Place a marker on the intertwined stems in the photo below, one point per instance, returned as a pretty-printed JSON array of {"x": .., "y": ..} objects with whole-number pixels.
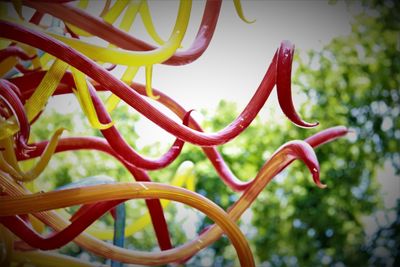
[{"x": 24, "y": 98}]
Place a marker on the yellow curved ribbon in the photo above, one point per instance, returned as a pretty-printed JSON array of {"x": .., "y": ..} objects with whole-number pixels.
[
  {"x": 37, "y": 225},
  {"x": 45, "y": 60},
  {"x": 45, "y": 90},
  {"x": 85, "y": 100},
  {"x": 132, "y": 8},
  {"x": 148, "y": 23},
  {"x": 239, "y": 11},
  {"x": 83, "y": 4},
  {"x": 35, "y": 104},
  {"x": 7, "y": 167},
  {"x": 121, "y": 57},
  {"x": 18, "y": 8},
  {"x": 8, "y": 159},
  {"x": 106, "y": 8},
  {"x": 110, "y": 16},
  {"x": 130, "y": 15},
  {"x": 7, "y": 64},
  {"x": 9, "y": 154},
  {"x": 149, "y": 78},
  {"x": 115, "y": 11}
]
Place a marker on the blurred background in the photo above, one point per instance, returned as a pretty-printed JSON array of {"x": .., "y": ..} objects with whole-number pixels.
[{"x": 346, "y": 72}]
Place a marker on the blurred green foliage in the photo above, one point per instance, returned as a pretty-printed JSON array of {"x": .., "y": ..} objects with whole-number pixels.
[{"x": 353, "y": 81}]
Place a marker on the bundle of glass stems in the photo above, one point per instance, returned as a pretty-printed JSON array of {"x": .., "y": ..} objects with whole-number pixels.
[{"x": 38, "y": 61}]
